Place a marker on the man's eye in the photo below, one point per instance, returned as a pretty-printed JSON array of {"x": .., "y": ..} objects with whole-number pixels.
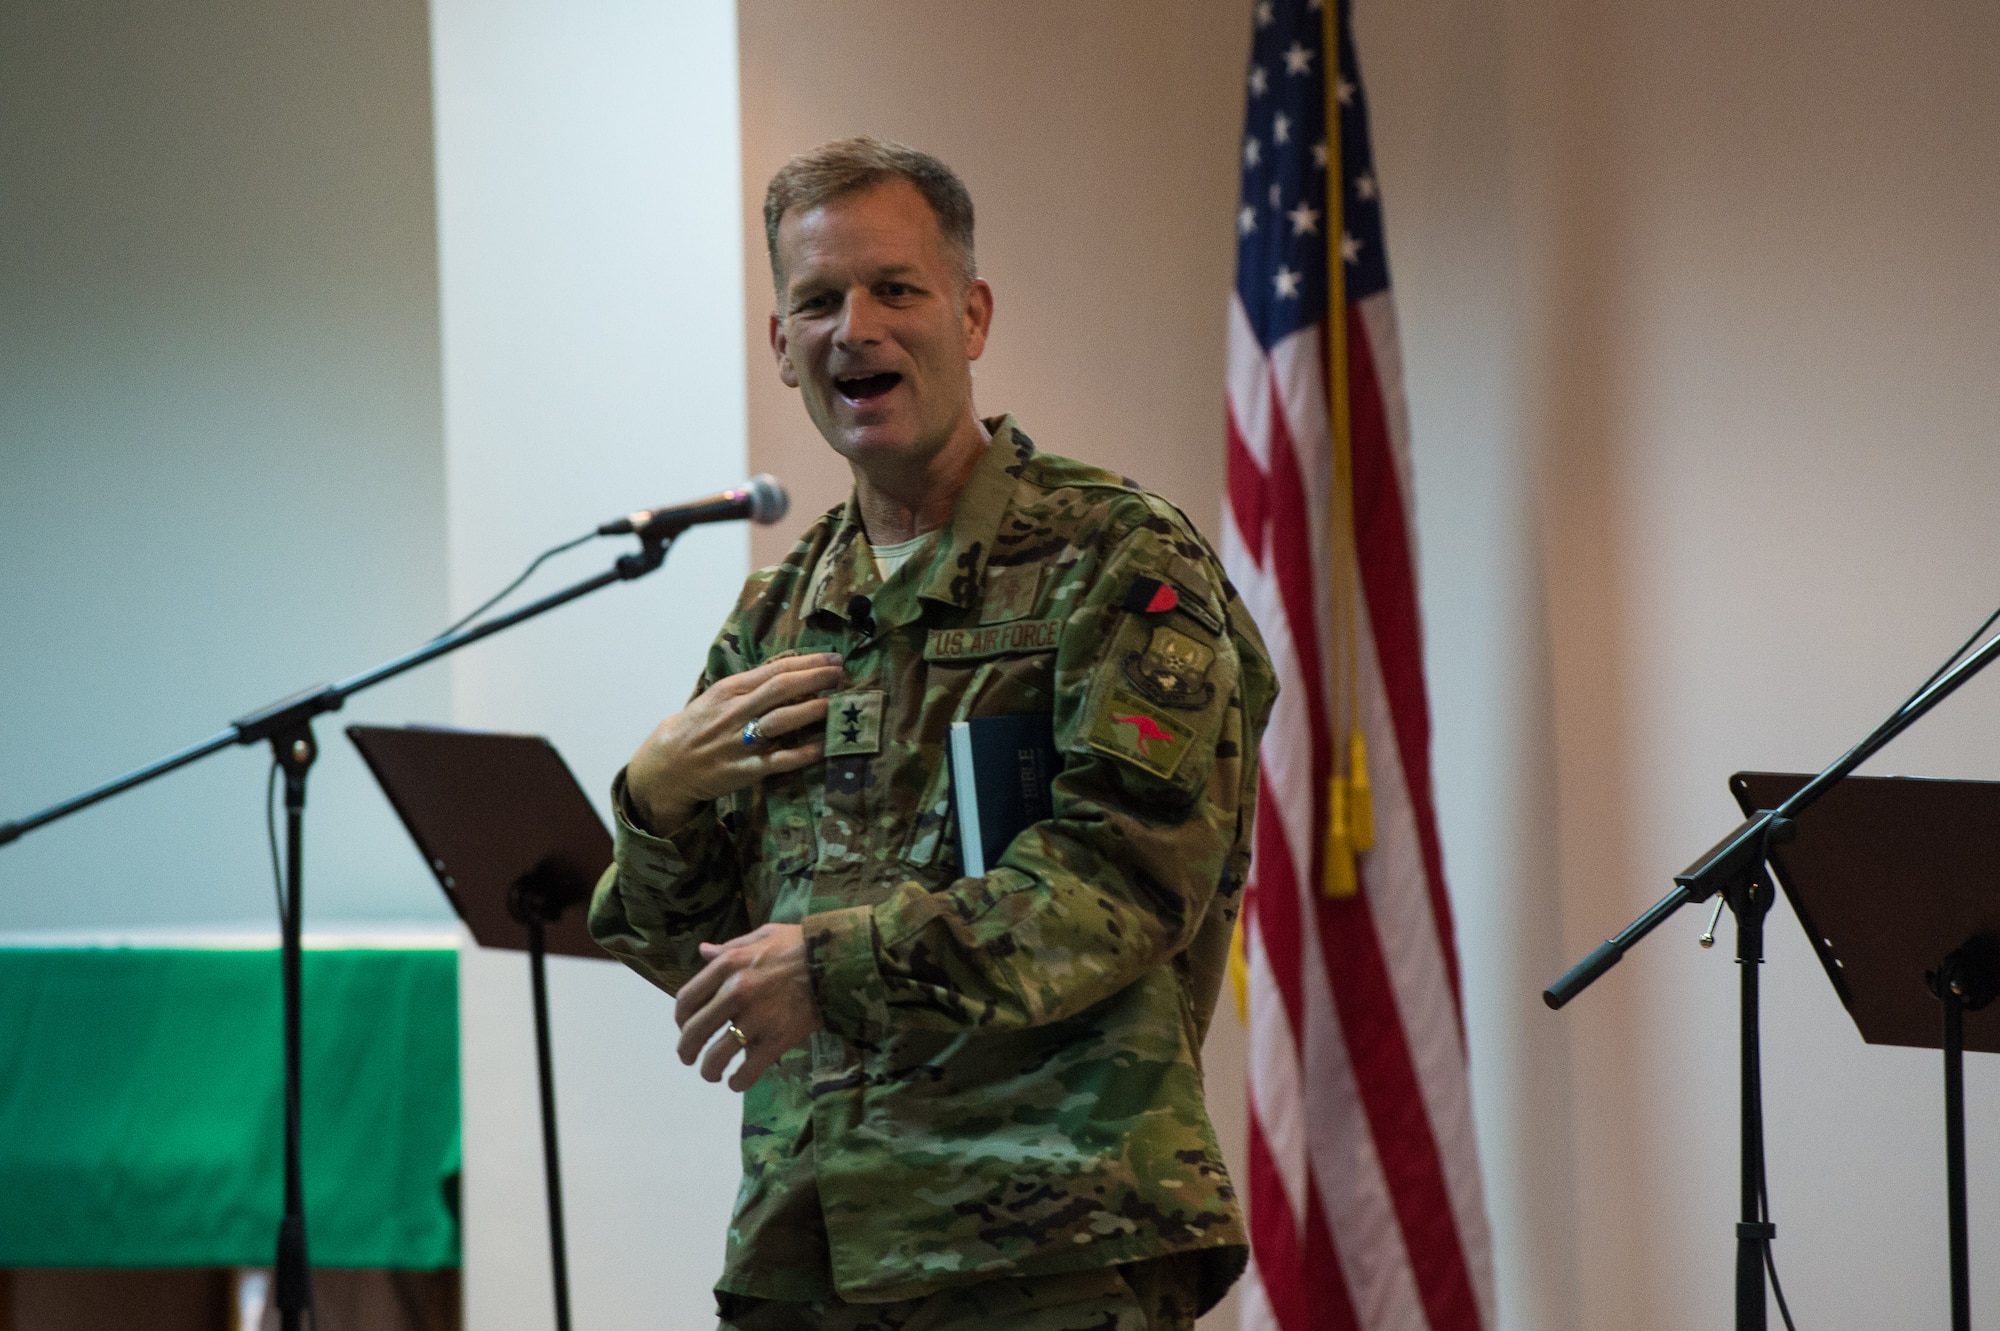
[
  {"x": 897, "y": 289},
  {"x": 813, "y": 303}
]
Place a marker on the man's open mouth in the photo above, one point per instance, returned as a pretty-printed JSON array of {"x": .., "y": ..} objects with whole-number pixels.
[{"x": 867, "y": 387}]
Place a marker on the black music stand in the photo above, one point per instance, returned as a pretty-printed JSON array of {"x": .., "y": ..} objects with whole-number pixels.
[
  {"x": 1897, "y": 881},
  {"x": 514, "y": 843}
]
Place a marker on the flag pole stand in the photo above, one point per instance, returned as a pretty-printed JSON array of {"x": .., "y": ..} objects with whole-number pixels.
[{"x": 1736, "y": 868}]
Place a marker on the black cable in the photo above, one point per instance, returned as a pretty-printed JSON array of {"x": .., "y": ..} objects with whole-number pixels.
[
  {"x": 1770, "y": 1259},
  {"x": 526, "y": 573},
  {"x": 271, "y": 835},
  {"x": 1950, "y": 661},
  {"x": 278, "y": 885}
]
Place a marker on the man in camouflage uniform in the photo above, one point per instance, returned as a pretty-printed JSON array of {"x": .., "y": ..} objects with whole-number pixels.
[{"x": 968, "y": 1102}]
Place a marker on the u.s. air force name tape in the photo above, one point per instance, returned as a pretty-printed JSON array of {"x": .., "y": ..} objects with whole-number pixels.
[{"x": 1035, "y": 635}]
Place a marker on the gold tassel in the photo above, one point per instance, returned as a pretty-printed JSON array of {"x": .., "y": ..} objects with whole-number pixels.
[
  {"x": 1361, "y": 795},
  {"x": 1239, "y": 972},
  {"x": 1340, "y": 880}
]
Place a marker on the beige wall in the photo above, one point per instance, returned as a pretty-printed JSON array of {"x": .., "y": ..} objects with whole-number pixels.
[{"x": 1097, "y": 141}]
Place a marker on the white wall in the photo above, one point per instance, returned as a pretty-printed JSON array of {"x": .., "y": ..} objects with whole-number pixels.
[
  {"x": 220, "y": 469},
  {"x": 590, "y": 276}
]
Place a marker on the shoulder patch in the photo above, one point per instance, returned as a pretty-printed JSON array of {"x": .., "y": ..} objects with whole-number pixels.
[
  {"x": 1136, "y": 731},
  {"x": 1150, "y": 596},
  {"x": 1172, "y": 671}
]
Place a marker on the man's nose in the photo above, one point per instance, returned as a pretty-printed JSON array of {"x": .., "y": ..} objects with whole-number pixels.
[{"x": 860, "y": 320}]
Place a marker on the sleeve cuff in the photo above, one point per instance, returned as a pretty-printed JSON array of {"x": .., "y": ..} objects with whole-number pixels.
[
  {"x": 840, "y": 959},
  {"x": 656, "y": 862}
]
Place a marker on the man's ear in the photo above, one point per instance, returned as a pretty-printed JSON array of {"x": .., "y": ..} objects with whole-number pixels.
[
  {"x": 978, "y": 316},
  {"x": 781, "y": 351}
]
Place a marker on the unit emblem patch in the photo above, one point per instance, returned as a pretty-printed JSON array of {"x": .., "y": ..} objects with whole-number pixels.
[{"x": 1172, "y": 671}]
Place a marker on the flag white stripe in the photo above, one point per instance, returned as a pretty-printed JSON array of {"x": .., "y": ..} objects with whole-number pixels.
[
  {"x": 1368, "y": 1236},
  {"x": 1398, "y": 888}
]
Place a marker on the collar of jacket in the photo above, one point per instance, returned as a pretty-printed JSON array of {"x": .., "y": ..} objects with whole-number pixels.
[{"x": 953, "y": 571}]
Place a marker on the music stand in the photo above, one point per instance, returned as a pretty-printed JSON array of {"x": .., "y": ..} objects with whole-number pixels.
[
  {"x": 1894, "y": 879},
  {"x": 514, "y": 843}
]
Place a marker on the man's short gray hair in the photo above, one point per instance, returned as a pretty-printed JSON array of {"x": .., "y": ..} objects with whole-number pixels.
[{"x": 847, "y": 165}]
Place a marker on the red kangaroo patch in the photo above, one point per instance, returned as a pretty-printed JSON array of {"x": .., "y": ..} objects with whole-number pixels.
[{"x": 1147, "y": 730}]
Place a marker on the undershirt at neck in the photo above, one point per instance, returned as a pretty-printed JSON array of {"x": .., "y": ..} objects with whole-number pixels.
[{"x": 889, "y": 558}]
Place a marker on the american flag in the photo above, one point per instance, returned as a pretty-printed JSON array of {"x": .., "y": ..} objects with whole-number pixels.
[{"x": 1365, "y": 1200}]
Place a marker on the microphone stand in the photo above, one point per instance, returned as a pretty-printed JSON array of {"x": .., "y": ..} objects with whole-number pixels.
[
  {"x": 1735, "y": 867},
  {"x": 286, "y": 725}
]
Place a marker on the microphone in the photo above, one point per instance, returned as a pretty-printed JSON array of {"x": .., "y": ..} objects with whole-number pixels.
[
  {"x": 861, "y": 616},
  {"x": 760, "y": 499}
]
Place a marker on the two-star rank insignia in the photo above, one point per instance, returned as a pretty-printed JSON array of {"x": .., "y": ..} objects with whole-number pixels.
[{"x": 854, "y": 723}]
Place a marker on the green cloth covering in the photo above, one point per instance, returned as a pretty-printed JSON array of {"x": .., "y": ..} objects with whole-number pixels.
[{"x": 142, "y": 1107}]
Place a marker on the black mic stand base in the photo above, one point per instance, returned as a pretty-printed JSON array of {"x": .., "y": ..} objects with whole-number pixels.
[
  {"x": 533, "y": 907},
  {"x": 1751, "y": 901},
  {"x": 1967, "y": 980}
]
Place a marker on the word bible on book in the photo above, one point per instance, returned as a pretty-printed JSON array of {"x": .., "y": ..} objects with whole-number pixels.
[{"x": 1002, "y": 768}]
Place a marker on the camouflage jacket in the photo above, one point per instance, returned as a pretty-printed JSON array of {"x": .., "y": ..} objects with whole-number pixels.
[{"x": 1009, "y": 1081}]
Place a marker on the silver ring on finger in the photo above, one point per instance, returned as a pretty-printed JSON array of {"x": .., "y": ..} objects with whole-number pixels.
[{"x": 753, "y": 732}]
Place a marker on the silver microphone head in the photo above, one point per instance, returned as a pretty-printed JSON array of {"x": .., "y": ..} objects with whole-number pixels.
[{"x": 768, "y": 500}]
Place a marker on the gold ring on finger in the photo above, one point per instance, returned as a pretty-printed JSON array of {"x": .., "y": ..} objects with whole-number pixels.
[{"x": 742, "y": 1040}]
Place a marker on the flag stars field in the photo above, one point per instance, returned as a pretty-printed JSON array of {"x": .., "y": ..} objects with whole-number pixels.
[
  {"x": 1305, "y": 219},
  {"x": 1298, "y": 59}
]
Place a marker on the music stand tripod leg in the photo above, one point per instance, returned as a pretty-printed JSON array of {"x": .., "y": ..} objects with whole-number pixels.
[
  {"x": 1750, "y": 900},
  {"x": 1954, "y": 1156},
  {"x": 1967, "y": 980},
  {"x": 531, "y": 907},
  {"x": 294, "y": 751}
]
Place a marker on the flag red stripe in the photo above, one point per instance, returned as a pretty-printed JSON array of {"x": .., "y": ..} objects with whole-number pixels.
[
  {"x": 1274, "y": 1237},
  {"x": 1385, "y": 1076},
  {"x": 1272, "y": 904},
  {"x": 1248, "y": 493},
  {"x": 1325, "y": 1283},
  {"x": 1390, "y": 589},
  {"x": 1292, "y": 563}
]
